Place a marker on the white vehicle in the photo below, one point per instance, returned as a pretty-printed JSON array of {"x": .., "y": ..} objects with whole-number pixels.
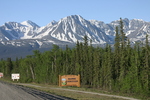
[{"x": 1, "y": 75}]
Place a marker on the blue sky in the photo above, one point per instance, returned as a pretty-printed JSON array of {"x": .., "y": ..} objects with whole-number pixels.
[{"x": 43, "y": 12}]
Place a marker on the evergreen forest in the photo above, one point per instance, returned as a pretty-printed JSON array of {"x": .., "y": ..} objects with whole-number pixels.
[{"x": 118, "y": 68}]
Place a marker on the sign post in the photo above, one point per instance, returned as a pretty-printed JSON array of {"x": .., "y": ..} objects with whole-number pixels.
[
  {"x": 15, "y": 76},
  {"x": 69, "y": 80}
]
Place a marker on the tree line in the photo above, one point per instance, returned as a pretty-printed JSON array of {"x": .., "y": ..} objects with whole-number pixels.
[{"x": 123, "y": 68}]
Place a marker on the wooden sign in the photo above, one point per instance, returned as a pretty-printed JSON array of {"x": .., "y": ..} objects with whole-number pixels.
[{"x": 69, "y": 80}]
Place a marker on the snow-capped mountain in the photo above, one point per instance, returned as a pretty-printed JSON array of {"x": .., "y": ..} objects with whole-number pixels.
[
  {"x": 70, "y": 29},
  {"x": 73, "y": 28},
  {"x": 22, "y": 38},
  {"x": 15, "y": 31}
]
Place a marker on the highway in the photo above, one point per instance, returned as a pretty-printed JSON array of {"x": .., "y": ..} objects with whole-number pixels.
[{"x": 17, "y": 92}]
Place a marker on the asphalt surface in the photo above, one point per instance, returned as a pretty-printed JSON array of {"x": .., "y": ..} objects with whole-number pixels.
[{"x": 17, "y": 92}]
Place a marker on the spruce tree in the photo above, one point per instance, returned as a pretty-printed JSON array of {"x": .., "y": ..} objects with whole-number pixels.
[
  {"x": 85, "y": 61},
  {"x": 9, "y": 67},
  {"x": 96, "y": 67},
  {"x": 116, "y": 68},
  {"x": 123, "y": 67},
  {"x": 146, "y": 68}
]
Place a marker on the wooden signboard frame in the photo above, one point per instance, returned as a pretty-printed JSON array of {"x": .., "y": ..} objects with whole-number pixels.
[{"x": 69, "y": 80}]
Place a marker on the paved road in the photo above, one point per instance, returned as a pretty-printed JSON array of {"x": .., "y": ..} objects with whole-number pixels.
[{"x": 16, "y": 92}]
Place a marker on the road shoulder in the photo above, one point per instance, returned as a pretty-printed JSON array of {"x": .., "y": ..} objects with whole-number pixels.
[{"x": 77, "y": 91}]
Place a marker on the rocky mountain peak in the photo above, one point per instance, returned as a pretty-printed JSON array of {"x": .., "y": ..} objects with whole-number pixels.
[
  {"x": 29, "y": 23},
  {"x": 73, "y": 28}
]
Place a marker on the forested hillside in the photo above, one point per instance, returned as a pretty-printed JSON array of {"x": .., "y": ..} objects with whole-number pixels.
[{"x": 122, "y": 69}]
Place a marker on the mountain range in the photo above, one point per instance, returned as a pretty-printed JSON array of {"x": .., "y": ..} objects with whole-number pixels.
[{"x": 29, "y": 36}]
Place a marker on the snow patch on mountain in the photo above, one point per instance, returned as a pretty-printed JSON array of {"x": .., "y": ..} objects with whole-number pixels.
[
  {"x": 30, "y": 24},
  {"x": 70, "y": 30}
]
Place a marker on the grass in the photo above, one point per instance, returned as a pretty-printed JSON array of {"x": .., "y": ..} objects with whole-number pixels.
[
  {"x": 75, "y": 95},
  {"x": 71, "y": 94}
]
